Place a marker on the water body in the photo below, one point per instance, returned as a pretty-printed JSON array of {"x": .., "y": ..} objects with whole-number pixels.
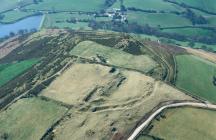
[{"x": 27, "y": 23}]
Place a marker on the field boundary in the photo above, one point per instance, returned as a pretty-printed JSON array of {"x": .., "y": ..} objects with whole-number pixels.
[{"x": 137, "y": 131}]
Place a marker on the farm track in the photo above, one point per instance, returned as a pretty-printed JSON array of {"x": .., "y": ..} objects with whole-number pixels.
[{"x": 137, "y": 131}]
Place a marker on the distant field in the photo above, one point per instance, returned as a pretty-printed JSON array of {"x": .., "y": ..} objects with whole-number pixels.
[
  {"x": 14, "y": 15},
  {"x": 208, "y": 5},
  {"x": 154, "y": 19},
  {"x": 11, "y": 4},
  {"x": 28, "y": 119},
  {"x": 185, "y": 124},
  {"x": 196, "y": 75},
  {"x": 89, "y": 49},
  {"x": 185, "y": 43},
  {"x": 211, "y": 20},
  {"x": 190, "y": 31},
  {"x": 69, "y": 5},
  {"x": 151, "y": 5},
  {"x": 59, "y": 20},
  {"x": 10, "y": 71}
]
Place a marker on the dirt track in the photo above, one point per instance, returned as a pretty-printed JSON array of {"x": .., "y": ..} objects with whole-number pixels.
[{"x": 146, "y": 122}]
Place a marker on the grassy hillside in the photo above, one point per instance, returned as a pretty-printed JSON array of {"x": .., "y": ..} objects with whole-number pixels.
[
  {"x": 112, "y": 56},
  {"x": 28, "y": 119},
  {"x": 10, "y": 71},
  {"x": 185, "y": 124},
  {"x": 196, "y": 76},
  {"x": 113, "y": 100}
]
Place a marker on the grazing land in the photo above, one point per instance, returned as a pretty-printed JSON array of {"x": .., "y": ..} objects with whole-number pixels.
[
  {"x": 207, "y": 5},
  {"x": 15, "y": 15},
  {"x": 112, "y": 56},
  {"x": 11, "y": 4},
  {"x": 28, "y": 119},
  {"x": 183, "y": 123},
  {"x": 60, "y": 20},
  {"x": 89, "y": 85},
  {"x": 10, "y": 71},
  {"x": 190, "y": 31},
  {"x": 80, "y": 79},
  {"x": 192, "y": 21},
  {"x": 97, "y": 69},
  {"x": 154, "y": 19},
  {"x": 158, "y": 5},
  {"x": 69, "y": 5},
  {"x": 196, "y": 76},
  {"x": 115, "y": 107}
]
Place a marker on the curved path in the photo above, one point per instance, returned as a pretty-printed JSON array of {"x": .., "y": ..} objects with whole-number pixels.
[{"x": 137, "y": 131}]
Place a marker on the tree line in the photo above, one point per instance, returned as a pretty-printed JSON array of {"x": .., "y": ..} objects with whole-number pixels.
[{"x": 146, "y": 29}]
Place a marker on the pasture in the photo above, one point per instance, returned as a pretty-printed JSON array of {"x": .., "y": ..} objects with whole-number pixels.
[
  {"x": 190, "y": 31},
  {"x": 112, "y": 56},
  {"x": 15, "y": 15},
  {"x": 82, "y": 79},
  {"x": 185, "y": 124},
  {"x": 158, "y": 5},
  {"x": 28, "y": 119},
  {"x": 12, "y": 4},
  {"x": 115, "y": 107},
  {"x": 68, "y": 5},
  {"x": 10, "y": 71},
  {"x": 208, "y": 5},
  {"x": 196, "y": 76},
  {"x": 60, "y": 20},
  {"x": 154, "y": 19}
]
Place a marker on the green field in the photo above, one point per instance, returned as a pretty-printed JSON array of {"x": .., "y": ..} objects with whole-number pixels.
[
  {"x": 211, "y": 20},
  {"x": 190, "y": 31},
  {"x": 89, "y": 49},
  {"x": 28, "y": 119},
  {"x": 59, "y": 20},
  {"x": 208, "y": 5},
  {"x": 196, "y": 76},
  {"x": 11, "y": 4},
  {"x": 68, "y": 5},
  {"x": 154, "y": 19},
  {"x": 185, "y": 124},
  {"x": 151, "y": 5},
  {"x": 15, "y": 15},
  {"x": 10, "y": 71}
]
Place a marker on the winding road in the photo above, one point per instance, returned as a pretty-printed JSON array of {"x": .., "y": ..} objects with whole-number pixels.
[{"x": 137, "y": 131}]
